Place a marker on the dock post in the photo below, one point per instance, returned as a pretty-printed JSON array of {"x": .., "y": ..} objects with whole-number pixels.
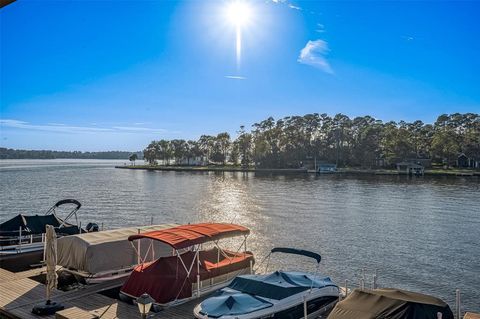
[
  {"x": 151, "y": 220},
  {"x": 375, "y": 276},
  {"x": 102, "y": 227},
  {"x": 458, "y": 304},
  {"x": 80, "y": 227},
  {"x": 251, "y": 267},
  {"x": 346, "y": 288},
  {"x": 44, "y": 247}
]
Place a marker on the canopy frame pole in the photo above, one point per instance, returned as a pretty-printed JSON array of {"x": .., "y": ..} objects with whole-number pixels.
[
  {"x": 20, "y": 239},
  {"x": 305, "y": 309},
  {"x": 183, "y": 264},
  {"x": 64, "y": 221},
  {"x": 314, "y": 275},
  {"x": 153, "y": 249},
  {"x": 198, "y": 273},
  {"x": 218, "y": 251},
  {"x": 187, "y": 270},
  {"x": 458, "y": 304},
  {"x": 268, "y": 262},
  {"x": 261, "y": 262},
  {"x": 139, "y": 257}
]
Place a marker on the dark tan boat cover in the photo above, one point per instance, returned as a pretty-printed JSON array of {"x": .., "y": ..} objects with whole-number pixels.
[
  {"x": 390, "y": 304},
  {"x": 108, "y": 250}
]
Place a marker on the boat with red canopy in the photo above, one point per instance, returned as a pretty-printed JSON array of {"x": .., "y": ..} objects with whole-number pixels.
[{"x": 198, "y": 264}]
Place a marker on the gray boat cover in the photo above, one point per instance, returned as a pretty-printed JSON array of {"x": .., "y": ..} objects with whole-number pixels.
[
  {"x": 390, "y": 303},
  {"x": 108, "y": 250}
]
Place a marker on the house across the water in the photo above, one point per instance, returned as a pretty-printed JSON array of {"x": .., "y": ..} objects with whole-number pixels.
[{"x": 463, "y": 161}]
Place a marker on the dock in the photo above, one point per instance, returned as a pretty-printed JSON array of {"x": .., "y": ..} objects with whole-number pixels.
[{"x": 19, "y": 293}]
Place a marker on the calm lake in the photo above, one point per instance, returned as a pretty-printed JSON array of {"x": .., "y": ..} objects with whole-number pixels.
[{"x": 422, "y": 234}]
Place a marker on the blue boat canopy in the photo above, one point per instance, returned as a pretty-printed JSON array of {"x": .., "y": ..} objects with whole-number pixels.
[
  {"x": 249, "y": 293},
  {"x": 295, "y": 251},
  {"x": 232, "y": 303},
  {"x": 278, "y": 285}
]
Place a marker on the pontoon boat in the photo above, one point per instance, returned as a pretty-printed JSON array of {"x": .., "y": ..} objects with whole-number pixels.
[
  {"x": 22, "y": 237},
  {"x": 107, "y": 255},
  {"x": 192, "y": 270}
]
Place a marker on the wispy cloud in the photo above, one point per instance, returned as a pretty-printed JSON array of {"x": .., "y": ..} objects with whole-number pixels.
[
  {"x": 408, "y": 38},
  {"x": 63, "y": 128},
  {"x": 314, "y": 53},
  {"x": 287, "y": 3},
  {"x": 235, "y": 77},
  {"x": 320, "y": 28}
]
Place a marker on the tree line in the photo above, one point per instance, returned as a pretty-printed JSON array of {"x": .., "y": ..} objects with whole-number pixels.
[
  {"x": 8, "y": 153},
  {"x": 348, "y": 142}
]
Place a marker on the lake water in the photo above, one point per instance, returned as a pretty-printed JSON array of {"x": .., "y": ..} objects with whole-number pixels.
[{"x": 422, "y": 234}]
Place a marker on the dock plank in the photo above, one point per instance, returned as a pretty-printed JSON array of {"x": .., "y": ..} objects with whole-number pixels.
[{"x": 20, "y": 294}]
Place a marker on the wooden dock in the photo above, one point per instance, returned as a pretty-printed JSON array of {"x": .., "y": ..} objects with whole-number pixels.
[{"x": 19, "y": 293}]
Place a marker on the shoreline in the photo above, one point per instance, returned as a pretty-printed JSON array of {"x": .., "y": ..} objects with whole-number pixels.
[{"x": 340, "y": 171}]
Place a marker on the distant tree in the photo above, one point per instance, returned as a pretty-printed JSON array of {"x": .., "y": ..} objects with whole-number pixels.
[
  {"x": 206, "y": 144},
  {"x": 133, "y": 158},
  {"x": 348, "y": 142},
  {"x": 223, "y": 142},
  {"x": 244, "y": 142}
]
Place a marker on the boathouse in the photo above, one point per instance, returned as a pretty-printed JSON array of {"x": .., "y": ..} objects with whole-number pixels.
[
  {"x": 326, "y": 168},
  {"x": 410, "y": 168}
]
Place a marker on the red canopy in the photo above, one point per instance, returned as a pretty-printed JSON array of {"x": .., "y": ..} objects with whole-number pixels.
[{"x": 188, "y": 235}]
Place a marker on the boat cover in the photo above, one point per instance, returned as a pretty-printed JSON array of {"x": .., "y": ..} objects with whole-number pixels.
[
  {"x": 228, "y": 302},
  {"x": 166, "y": 279},
  {"x": 279, "y": 285},
  {"x": 35, "y": 224},
  {"x": 106, "y": 250},
  {"x": 192, "y": 234},
  {"x": 390, "y": 304}
]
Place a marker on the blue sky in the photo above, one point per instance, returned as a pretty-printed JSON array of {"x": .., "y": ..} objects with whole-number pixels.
[{"x": 114, "y": 75}]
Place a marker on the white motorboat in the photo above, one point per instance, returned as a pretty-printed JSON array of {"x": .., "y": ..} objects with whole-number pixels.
[{"x": 281, "y": 294}]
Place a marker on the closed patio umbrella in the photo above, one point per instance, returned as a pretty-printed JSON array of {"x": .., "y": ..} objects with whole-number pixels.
[{"x": 49, "y": 307}]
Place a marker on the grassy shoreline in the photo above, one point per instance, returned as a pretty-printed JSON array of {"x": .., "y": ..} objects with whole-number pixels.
[{"x": 352, "y": 171}]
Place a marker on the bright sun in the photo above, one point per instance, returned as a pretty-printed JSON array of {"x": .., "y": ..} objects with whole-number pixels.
[{"x": 238, "y": 13}]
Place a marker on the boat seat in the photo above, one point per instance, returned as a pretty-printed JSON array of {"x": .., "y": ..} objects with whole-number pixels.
[{"x": 235, "y": 258}]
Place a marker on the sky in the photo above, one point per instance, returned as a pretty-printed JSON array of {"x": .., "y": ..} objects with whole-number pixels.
[{"x": 115, "y": 75}]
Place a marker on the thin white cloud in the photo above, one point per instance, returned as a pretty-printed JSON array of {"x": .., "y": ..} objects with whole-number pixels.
[
  {"x": 138, "y": 129},
  {"x": 320, "y": 28},
  {"x": 63, "y": 128},
  {"x": 289, "y": 4},
  {"x": 235, "y": 77},
  {"x": 314, "y": 53},
  {"x": 408, "y": 38}
]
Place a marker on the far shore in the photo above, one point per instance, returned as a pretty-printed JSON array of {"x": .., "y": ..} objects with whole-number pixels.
[{"x": 345, "y": 171}]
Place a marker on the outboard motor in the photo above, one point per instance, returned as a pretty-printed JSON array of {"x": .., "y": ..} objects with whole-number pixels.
[{"x": 92, "y": 227}]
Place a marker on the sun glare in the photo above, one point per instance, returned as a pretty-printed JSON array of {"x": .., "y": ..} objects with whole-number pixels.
[{"x": 238, "y": 13}]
